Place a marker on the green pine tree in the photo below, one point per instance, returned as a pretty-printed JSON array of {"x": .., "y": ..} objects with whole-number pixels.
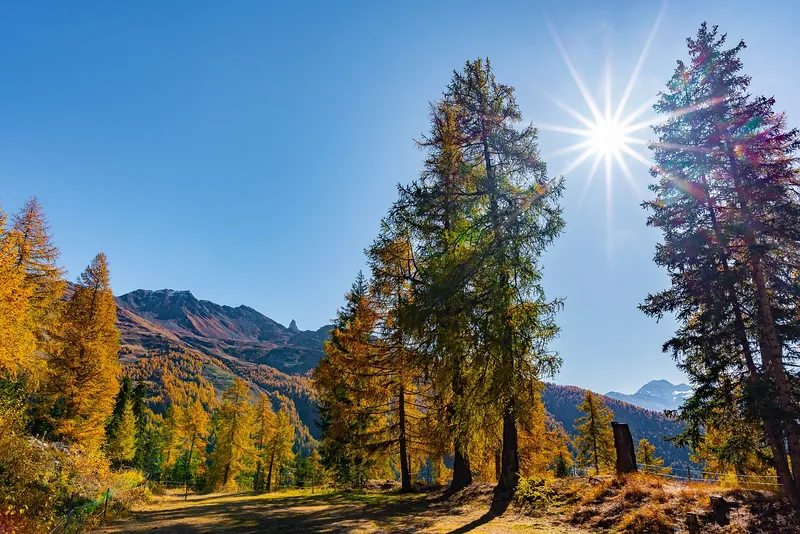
[{"x": 726, "y": 201}]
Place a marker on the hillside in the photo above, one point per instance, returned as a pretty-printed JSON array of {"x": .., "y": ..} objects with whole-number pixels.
[
  {"x": 562, "y": 402},
  {"x": 173, "y": 336},
  {"x": 183, "y": 347},
  {"x": 217, "y": 330}
]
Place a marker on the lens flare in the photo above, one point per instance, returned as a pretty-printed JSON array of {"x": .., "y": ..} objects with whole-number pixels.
[{"x": 606, "y": 134}]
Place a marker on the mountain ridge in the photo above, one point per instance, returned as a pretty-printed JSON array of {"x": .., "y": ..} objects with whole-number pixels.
[{"x": 223, "y": 331}]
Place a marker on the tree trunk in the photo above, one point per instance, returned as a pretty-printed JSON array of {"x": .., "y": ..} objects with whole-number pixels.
[
  {"x": 509, "y": 468},
  {"x": 405, "y": 472},
  {"x": 462, "y": 476},
  {"x": 188, "y": 469},
  {"x": 269, "y": 471},
  {"x": 257, "y": 477},
  {"x": 769, "y": 339},
  {"x": 226, "y": 475},
  {"x": 772, "y": 433},
  {"x": 462, "y": 473}
]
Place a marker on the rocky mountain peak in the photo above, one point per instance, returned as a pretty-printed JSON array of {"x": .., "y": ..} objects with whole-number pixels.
[{"x": 658, "y": 395}]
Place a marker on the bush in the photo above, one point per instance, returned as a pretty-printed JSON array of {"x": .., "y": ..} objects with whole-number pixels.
[
  {"x": 41, "y": 482},
  {"x": 647, "y": 518},
  {"x": 533, "y": 492}
]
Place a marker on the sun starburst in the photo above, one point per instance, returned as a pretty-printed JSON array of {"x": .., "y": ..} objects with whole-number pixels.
[{"x": 607, "y": 135}]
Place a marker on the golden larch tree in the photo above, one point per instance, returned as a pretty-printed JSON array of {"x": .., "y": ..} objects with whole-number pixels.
[
  {"x": 234, "y": 445},
  {"x": 595, "y": 440},
  {"x": 279, "y": 448},
  {"x": 82, "y": 365},
  {"x": 265, "y": 425},
  {"x": 17, "y": 342},
  {"x": 194, "y": 429},
  {"x": 171, "y": 435},
  {"x": 37, "y": 257}
]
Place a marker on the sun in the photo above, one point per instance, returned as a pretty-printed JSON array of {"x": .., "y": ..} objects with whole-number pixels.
[{"x": 607, "y": 135}]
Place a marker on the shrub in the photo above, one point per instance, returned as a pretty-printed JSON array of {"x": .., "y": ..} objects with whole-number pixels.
[
  {"x": 647, "y": 518},
  {"x": 533, "y": 491}
]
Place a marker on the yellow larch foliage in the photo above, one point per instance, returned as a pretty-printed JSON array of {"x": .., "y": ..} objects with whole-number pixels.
[
  {"x": 265, "y": 425},
  {"x": 234, "y": 446},
  {"x": 82, "y": 365},
  {"x": 122, "y": 446},
  {"x": 171, "y": 435},
  {"x": 36, "y": 256},
  {"x": 278, "y": 452},
  {"x": 541, "y": 440},
  {"x": 17, "y": 342},
  {"x": 194, "y": 431}
]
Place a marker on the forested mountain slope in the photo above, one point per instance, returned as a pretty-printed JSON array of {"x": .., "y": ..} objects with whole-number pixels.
[
  {"x": 562, "y": 402},
  {"x": 183, "y": 347},
  {"x": 181, "y": 344}
]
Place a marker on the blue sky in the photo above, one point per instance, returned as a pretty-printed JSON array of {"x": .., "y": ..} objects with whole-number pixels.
[{"x": 247, "y": 150}]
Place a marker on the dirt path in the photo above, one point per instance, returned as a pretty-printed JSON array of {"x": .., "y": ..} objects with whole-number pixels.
[{"x": 300, "y": 511}]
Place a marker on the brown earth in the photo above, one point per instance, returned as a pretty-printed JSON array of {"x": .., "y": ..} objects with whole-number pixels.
[{"x": 329, "y": 511}]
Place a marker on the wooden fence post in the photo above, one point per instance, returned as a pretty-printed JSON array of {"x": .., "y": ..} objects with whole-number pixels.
[
  {"x": 105, "y": 506},
  {"x": 623, "y": 443}
]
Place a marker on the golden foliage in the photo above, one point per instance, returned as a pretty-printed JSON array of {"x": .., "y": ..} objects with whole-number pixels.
[
  {"x": 595, "y": 440},
  {"x": 17, "y": 340},
  {"x": 234, "y": 445},
  {"x": 82, "y": 366},
  {"x": 36, "y": 257}
]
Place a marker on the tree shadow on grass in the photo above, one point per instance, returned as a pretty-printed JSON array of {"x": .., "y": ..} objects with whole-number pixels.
[
  {"x": 305, "y": 513},
  {"x": 499, "y": 506}
]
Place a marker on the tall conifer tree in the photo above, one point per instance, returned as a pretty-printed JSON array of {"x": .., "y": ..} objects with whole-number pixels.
[
  {"x": 194, "y": 429},
  {"x": 82, "y": 365},
  {"x": 234, "y": 444},
  {"x": 37, "y": 256},
  {"x": 342, "y": 388},
  {"x": 520, "y": 217},
  {"x": 728, "y": 205},
  {"x": 17, "y": 340},
  {"x": 595, "y": 440},
  {"x": 433, "y": 214},
  {"x": 265, "y": 425}
]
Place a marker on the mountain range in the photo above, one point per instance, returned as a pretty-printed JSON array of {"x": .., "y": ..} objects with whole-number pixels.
[
  {"x": 657, "y": 395},
  {"x": 184, "y": 347}
]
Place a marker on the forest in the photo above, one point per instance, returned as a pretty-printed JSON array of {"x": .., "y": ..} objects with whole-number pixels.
[{"x": 434, "y": 371}]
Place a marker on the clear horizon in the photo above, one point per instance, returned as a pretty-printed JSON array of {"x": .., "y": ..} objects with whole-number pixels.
[{"x": 247, "y": 152}]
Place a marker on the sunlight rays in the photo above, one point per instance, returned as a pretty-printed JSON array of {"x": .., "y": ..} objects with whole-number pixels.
[{"x": 607, "y": 134}]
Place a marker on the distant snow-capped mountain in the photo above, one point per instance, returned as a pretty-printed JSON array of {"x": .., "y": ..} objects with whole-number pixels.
[{"x": 658, "y": 395}]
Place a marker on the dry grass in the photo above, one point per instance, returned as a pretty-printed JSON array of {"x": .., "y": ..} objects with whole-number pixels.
[{"x": 648, "y": 503}]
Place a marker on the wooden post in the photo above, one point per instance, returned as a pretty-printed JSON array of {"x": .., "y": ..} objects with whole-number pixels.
[
  {"x": 105, "y": 506},
  {"x": 692, "y": 523},
  {"x": 720, "y": 507},
  {"x": 623, "y": 443}
]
